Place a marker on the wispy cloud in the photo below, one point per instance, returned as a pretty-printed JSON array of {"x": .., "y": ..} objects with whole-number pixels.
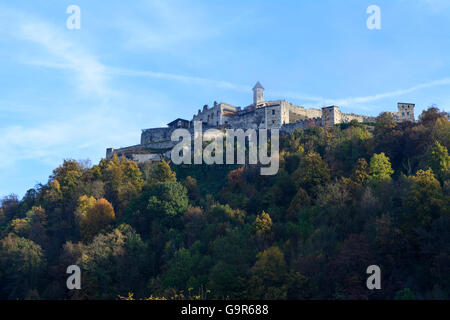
[
  {"x": 55, "y": 45},
  {"x": 347, "y": 101},
  {"x": 89, "y": 71},
  {"x": 396, "y": 93},
  {"x": 53, "y": 138},
  {"x": 200, "y": 81}
]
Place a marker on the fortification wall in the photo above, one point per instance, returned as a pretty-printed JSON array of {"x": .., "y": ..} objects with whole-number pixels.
[
  {"x": 298, "y": 113},
  {"x": 302, "y": 125},
  {"x": 214, "y": 116},
  {"x": 156, "y": 135},
  {"x": 252, "y": 119},
  {"x": 347, "y": 117}
]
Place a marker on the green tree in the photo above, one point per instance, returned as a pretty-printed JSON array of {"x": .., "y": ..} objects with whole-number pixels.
[
  {"x": 22, "y": 266},
  {"x": 179, "y": 270},
  {"x": 380, "y": 169},
  {"x": 114, "y": 264},
  {"x": 123, "y": 181},
  {"x": 168, "y": 198},
  {"x": 439, "y": 161},
  {"x": 263, "y": 228},
  {"x": 68, "y": 176},
  {"x": 159, "y": 172},
  {"x": 267, "y": 279},
  {"x": 313, "y": 171},
  {"x": 423, "y": 200},
  {"x": 299, "y": 201}
]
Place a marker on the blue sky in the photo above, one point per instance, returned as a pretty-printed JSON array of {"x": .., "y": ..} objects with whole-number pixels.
[{"x": 140, "y": 64}]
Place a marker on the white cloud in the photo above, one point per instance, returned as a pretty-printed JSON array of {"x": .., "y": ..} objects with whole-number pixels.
[
  {"x": 88, "y": 70},
  {"x": 54, "y": 44},
  {"x": 50, "y": 139}
]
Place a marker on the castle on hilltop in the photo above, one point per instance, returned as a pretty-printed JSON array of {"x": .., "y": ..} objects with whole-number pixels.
[{"x": 274, "y": 114}]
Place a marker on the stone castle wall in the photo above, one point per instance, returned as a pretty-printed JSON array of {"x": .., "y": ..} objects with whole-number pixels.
[
  {"x": 276, "y": 114},
  {"x": 302, "y": 125}
]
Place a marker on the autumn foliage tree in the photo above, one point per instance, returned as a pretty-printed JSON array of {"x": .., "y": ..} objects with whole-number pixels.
[{"x": 95, "y": 216}]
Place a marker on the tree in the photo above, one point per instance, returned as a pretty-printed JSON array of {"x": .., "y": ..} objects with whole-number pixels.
[
  {"x": 360, "y": 172},
  {"x": 22, "y": 264},
  {"x": 380, "y": 169},
  {"x": 168, "y": 198},
  {"x": 68, "y": 176},
  {"x": 179, "y": 269},
  {"x": 159, "y": 172},
  {"x": 352, "y": 259},
  {"x": 268, "y": 275},
  {"x": 37, "y": 217},
  {"x": 431, "y": 115},
  {"x": 10, "y": 207},
  {"x": 263, "y": 226},
  {"x": 95, "y": 217},
  {"x": 313, "y": 171},
  {"x": 123, "y": 181},
  {"x": 439, "y": 161},
  {"x": 299, "y": 201},
  {"x": 192, "y": 188},
  {"x": 19, "y": 227},
  {"x": 114, "y": 264},
  {"x": 423, "y": 200},
  {"x": 235, "y": 179}
]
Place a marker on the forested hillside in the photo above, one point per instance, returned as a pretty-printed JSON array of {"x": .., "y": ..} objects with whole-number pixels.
[{"x": 344, "y": 198}]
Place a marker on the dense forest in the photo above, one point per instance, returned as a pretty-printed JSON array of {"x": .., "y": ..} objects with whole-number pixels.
[{"x": 344, "y": 198}]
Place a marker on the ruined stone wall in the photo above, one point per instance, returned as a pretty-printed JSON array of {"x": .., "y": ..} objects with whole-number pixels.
[
  {"x": 141, "y": 158},
  {"x": 250, "y": 119},
  {"x": 155, "y": 135},
  {"x": 313, "y": 113},
  {"x": 302, "y": 125},
  {"x": 214, "y": 116},
  {"x": 332, "y": 116}
]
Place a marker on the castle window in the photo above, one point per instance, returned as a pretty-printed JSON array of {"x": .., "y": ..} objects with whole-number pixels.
[
  {"x": 403, "y": 113},
  {"x": 407, "y": 113},
  {"x": 273, "y": 121},
  {"x": 273, "y": 112}
]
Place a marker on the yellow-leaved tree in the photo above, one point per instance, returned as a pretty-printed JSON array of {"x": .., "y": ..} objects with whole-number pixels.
[{"x": 93, "y": 216}]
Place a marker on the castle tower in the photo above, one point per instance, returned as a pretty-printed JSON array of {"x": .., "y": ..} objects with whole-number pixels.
[
  {"x": 258, "y": 94},
  {"x": 330, "y": 116},
  {"x": 406, "y": 112}
]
